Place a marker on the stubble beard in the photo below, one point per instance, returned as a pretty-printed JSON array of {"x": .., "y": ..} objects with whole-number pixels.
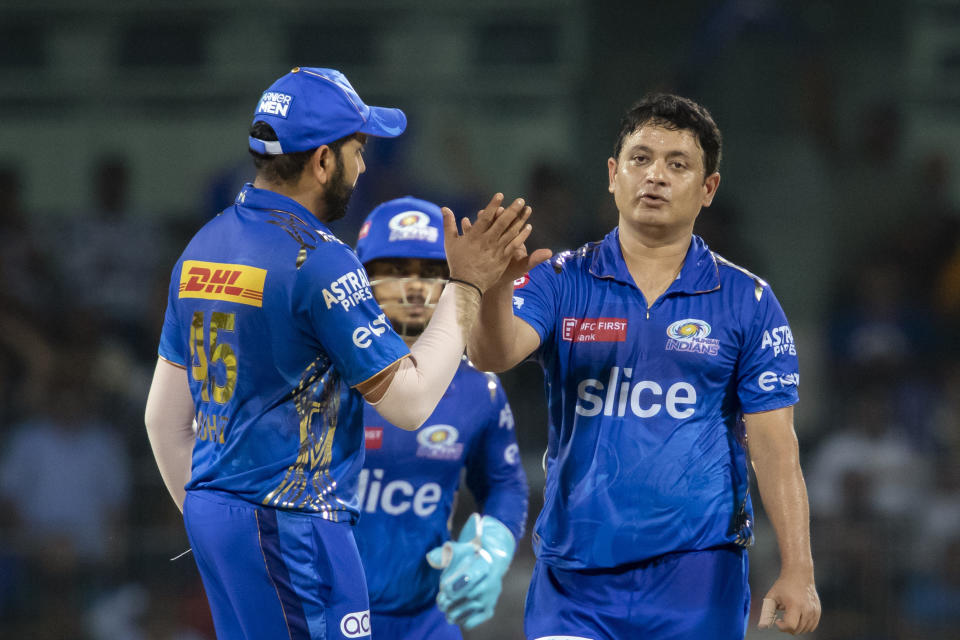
[{"x": 337, "y": 197}]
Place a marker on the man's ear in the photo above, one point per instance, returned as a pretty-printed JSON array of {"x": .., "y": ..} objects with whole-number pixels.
[
  {"x": 710, "y": 186},
  {"x": 322, "y": 164}
]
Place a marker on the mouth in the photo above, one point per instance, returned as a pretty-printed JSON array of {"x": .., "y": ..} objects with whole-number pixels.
[{"x": 653, "y": 199}]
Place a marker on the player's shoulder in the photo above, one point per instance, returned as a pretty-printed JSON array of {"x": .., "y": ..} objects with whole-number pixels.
[
  {"x": 570, "y": 262},
  {"x": 733, "y": 275},
  {"x": 325, "y": 252}
]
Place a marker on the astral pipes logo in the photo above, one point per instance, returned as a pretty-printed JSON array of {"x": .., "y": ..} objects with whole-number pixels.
[{"x": 356, "y": 624}]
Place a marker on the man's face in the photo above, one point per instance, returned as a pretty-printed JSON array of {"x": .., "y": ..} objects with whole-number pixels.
[
  {"x": 343, "y": 179},
  {"x": 407, "y": 290},
  {"x": 658, "y": 180}
]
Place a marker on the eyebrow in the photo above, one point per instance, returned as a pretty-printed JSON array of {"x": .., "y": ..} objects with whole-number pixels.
[{"x": 670, "y": 154}]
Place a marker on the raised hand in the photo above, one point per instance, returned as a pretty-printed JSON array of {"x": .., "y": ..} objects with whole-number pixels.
[{"x": 485, "y": 249}]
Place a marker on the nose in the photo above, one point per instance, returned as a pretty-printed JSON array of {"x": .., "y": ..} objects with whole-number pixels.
[
  {"x": 657, "y": 172},
  {"x": 361, "y": 166},
  {"x": 415, "y": 289}
]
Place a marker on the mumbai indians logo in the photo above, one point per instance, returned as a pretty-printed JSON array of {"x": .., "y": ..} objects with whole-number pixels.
[
  {"x": 439, "y": 442},
  {"x": 690, "y": 335},
  {"x": 412, "y": 225}
]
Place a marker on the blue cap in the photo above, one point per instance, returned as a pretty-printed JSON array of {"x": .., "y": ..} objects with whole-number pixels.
[
  {"x": 310, "y": 107},
  {"x": 402, "y": 228}
]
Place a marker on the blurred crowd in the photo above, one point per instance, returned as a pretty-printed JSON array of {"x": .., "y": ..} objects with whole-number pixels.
[{"x": 87, "y": 531}]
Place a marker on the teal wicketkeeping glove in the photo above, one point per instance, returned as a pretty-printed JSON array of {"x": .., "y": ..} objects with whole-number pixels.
[{"x": 473, "y": 569}]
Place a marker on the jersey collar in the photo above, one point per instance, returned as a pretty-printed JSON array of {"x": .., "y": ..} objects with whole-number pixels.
[
  {"x": 699, "y": 273},
  {"x": 251, "y": 197}
]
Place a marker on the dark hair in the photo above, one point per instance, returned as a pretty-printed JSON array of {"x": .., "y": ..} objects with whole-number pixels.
[
  {"x": 284, "y": 167},
  {"x": 675, "y": 113}
]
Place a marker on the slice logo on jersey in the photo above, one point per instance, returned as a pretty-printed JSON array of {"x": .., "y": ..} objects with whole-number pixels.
[
  {"x": 412, "y": 225},
  {"x": 643, "y": 398},
  {"x": 349, "y": 290},
  {"x": 439, "y": 442},
  {"x": 770, "y": 380},
  {"x": 364, "y": 230},
  {"x": 396, "y": 497},
  {"x": 522, "y": 281},
  {"x": 356, "y": 624},
  {"x": 218, "y": 281},
  {"x": 594, "y": 329},
  {"x": 275, "y": 103},
  {"x": 373, "y": 437},
  {"x": 780, "y": 339},
  {"x": 690, "y": 335}
]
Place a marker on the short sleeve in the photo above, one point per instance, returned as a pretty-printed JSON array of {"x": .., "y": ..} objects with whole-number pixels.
[
  {"x": 171, "y": 337},
  {"x": 536, "y": 299},
  {"x": 333, "y": 296},
  {"x": 769, "y": 370}
]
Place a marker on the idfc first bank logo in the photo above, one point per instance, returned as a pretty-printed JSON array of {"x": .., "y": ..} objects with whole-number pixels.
[{"x": 594, "y": 329}]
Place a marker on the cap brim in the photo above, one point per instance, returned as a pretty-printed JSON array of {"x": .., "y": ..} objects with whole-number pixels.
[{"x": 384, "y": 122}]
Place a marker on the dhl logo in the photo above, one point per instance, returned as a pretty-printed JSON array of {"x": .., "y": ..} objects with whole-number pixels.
[{"x": 218, "y": 281}]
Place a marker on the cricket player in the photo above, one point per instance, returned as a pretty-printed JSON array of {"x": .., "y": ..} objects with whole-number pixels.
[
  {"x": 272, "y": 341},
  {"x": 409, "y": 479},
  {"x": 666, "y": 365}
]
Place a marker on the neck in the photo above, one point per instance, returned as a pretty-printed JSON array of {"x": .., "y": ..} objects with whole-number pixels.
[
  {"x": 653, "y": 262},
  {"x": 649, "y": 249},
  {"x": 298, "y": 192}
]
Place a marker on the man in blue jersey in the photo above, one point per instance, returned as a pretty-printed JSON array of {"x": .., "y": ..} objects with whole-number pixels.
[
  {"x": 272, "y": 341},
  {"x": 410, "y": 479},
  {"x": 663, "y": 361}
]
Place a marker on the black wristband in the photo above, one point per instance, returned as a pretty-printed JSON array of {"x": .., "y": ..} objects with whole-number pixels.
[{"x": 469, "y": 284}]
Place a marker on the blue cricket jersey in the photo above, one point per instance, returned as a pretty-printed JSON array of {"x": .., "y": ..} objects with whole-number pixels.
[
  {"x": 646, "y": 451},
  {"x": 409, "y": 480},
  {"x": 274, "y": 320}
]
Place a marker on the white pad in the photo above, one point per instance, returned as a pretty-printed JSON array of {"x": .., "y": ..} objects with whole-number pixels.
[{"x": 768, "y": 613}]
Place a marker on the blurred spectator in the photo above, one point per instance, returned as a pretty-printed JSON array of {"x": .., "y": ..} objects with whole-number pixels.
[
  {"x": 877, "y": 326},
  {"x": 65, "y": 479},
  {"x": 931, "y": 600},
  {"x": 870, "y": 456},
  {"x": 110, "y": 254},
  {"x": 938, "y": 524},
  {"x": 880, "y": 329},
  {"x": 27, "y": 284}
]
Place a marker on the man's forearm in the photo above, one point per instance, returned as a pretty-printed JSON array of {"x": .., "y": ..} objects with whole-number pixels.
[
  {"x": 784, "y": 496},
  {"x": 494, "y": 335}
]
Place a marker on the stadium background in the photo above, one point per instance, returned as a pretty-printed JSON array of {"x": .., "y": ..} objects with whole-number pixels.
[{"x": 124, "y": 129}]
